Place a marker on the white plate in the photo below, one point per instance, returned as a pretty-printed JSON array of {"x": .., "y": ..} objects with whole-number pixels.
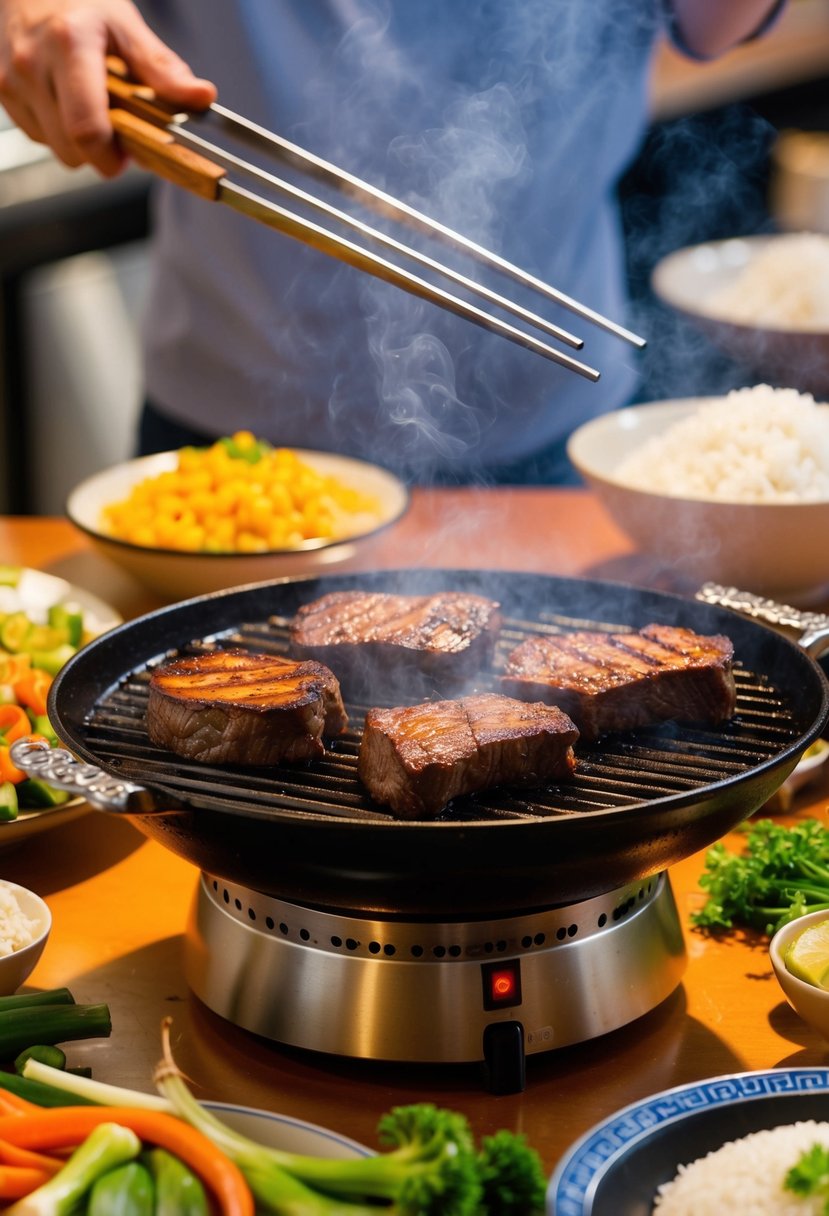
[
  {"x": 34, "y": 594},
  {"x": 290, "y": 1135},
  {"x": 182, "y": 575}
]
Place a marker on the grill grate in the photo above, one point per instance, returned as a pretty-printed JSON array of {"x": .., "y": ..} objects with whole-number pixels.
[{"x": 618, "y": 771}]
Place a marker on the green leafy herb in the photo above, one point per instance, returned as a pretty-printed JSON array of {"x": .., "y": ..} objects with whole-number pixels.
[
  {"x": 782, "y": 874},
  {"x": 810, "y": 1176}
]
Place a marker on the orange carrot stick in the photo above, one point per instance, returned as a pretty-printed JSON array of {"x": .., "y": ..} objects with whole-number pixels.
[
  {"x": 13, "y": 1154},
  {"x": 17, "y": 1181},
  {"x": 56, "y": 1127},
  {"x": 13, "y": 1104}
]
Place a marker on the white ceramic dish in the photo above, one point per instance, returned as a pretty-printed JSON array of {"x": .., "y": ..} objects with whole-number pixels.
[
  {"x": 616, "y": 1167},
  {"x": 810, "y": 1002},
  {"x": 15, "y": 968},
  {"x": 290, "y": 1135},
  {"x": 768, "y": 548},
  {"x": 35, "y": 592},
  {"x": 689, "y": 279},
  {"x": 175, "y": 575}
]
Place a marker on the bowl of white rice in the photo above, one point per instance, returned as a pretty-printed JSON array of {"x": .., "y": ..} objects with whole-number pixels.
[
  {"x": 720, "y": 1145},
  {"x": 732, "y": 489},
  {"x": 763, "y": 300},
  {"x": 25, "y": 924}
]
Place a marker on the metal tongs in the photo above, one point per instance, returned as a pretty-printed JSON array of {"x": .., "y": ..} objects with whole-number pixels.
[{"x": 169, "y": 143}]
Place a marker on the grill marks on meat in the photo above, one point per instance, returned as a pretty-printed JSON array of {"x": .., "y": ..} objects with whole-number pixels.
[
  {"x": 620, "y": 681},
  {"x": 417, "y": 758},
  {"x": 236, "y": 707},
  {"x": 406, "y": 644}
]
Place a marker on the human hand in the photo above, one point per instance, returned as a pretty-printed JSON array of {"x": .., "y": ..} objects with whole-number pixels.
[{"x": 53, "y": 73}]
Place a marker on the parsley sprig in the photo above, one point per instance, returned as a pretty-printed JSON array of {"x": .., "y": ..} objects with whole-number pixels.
[
  {"x": 810, "y": 1176},
  {"x": 782, "y": 873}
]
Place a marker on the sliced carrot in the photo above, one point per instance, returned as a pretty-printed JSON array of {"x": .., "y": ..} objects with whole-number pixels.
[
  {"x": 49, "y": 1128},
  {"x": 14, "y": 722},
  {"x": 31, "y": 687},
  {"x": 10, "y": 771},
  {"x": 17, "y": 1181}
]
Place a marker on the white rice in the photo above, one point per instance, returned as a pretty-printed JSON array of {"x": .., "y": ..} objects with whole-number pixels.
[
  {"x": 757, "y": 444},
  {"x": 745, "y": 1176},
  {"x": 16, "y": 929},
  {"x": 785, "y": 286}
]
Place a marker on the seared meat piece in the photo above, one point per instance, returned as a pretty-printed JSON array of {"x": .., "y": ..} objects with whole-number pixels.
[
  {"x": 234, "y": 707},
  {"x": 407, "y": 645},
  {"x": 417, "y": 758},
  {"x": 616, "y": 682}
]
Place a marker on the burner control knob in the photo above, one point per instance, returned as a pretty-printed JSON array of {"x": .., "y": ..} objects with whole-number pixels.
[{"x": 504, "y": 1059}]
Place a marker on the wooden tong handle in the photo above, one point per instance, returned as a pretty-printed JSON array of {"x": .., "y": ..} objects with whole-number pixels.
[{"x": 141, "y": 119}]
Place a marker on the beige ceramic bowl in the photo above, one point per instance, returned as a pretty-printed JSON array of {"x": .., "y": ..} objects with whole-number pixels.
[
  {"x": 777, "y": 550},
  {"x": 15, "y": 968},
  {"x": 175, "y": 575},
  {"x": 811, "y": 1003},
  {"x": 689, "y": 278}
]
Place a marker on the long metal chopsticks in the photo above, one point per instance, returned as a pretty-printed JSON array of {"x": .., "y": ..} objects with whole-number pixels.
[{"x": 162, "y": 139}]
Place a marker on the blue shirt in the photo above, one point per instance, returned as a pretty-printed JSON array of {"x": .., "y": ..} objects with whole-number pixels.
[{"x": 510, "y": 120}]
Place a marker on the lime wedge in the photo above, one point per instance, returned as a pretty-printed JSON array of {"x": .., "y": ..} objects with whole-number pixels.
[{"x": 808, "y": 955}]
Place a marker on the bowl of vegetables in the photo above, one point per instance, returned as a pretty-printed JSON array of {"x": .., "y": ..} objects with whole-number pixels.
[
  {"x": 25, "y": 924},
  {"x": 43, "y": 622},
  {"x": 196, "y": 520},
  {"x": 799, "y": 953}
]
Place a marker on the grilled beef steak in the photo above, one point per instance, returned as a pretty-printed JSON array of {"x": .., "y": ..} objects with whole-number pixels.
[
  {"x": 408, "y": 644},
  {"x": 235, "y": 707},
  {"x": 416, "y": 758},
  {"x": 616, "y": 682}
]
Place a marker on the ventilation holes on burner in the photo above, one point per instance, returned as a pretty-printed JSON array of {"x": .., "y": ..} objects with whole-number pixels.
[
  {"x": 283, "y": 928},
  {"x": 305, "y": 936},
  {"x": 251, "y": 914}
]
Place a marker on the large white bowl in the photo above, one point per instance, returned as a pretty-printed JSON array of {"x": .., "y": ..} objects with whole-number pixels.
[
  {"x": 689, "y": 280},
  {"x": 15, "y": 968},
  {"x": 177, "y": 575},
  {"x": 778, "y": 550}
]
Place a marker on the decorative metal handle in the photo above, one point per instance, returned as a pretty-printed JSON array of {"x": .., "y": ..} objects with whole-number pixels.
[
  {"x": 60, "y": 768},
  {"x": 812, "y": 627}
]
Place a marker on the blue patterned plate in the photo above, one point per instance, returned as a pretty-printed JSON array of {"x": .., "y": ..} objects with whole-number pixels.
[{"x": 616, "y": 1167}]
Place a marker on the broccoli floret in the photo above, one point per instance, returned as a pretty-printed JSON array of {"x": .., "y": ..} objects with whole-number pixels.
[{"x": 511, "y": 1175}]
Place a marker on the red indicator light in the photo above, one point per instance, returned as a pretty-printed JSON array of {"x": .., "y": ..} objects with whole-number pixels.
[{"x": 502, "y": 984}]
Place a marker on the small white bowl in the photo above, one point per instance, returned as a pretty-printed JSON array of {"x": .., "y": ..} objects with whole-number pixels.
[
  {"x": 175, "y": 575},
  {"x": 689, "y": 281},
  {"x": 773, "y": 549},
  {"x": 810, "y": 1002},
  {"x": 15, "y": 968}
]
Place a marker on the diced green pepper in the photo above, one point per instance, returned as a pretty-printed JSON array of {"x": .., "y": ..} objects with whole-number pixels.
[
  {"x": 69, "y": 618},
  {"x": 14, "y": 631},
  {"x": 35, "y": 794},
  {"x": 10, "y": 575},
  {"x": 9, "y": 805},
  {"x": 53, "y": 660},
  {"x": 42, "y": 726}
]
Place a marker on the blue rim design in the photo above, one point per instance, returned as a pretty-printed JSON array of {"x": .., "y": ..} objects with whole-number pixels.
[{"x": 577, "y": 1175}]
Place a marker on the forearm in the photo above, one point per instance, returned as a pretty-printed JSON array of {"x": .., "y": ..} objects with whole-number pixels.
[{"x": 711, "y": 27}]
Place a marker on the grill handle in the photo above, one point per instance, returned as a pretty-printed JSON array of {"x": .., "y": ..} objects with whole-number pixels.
[
  {"x": 60, "y": 768},
  {"x": 812, "y": 628}
]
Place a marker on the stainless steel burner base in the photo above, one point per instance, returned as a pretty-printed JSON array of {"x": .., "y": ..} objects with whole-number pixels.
[{"x": 432, "y": 992}]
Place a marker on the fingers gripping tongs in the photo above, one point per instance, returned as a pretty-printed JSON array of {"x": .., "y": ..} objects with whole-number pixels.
[{"x": 167, "y": 142}]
